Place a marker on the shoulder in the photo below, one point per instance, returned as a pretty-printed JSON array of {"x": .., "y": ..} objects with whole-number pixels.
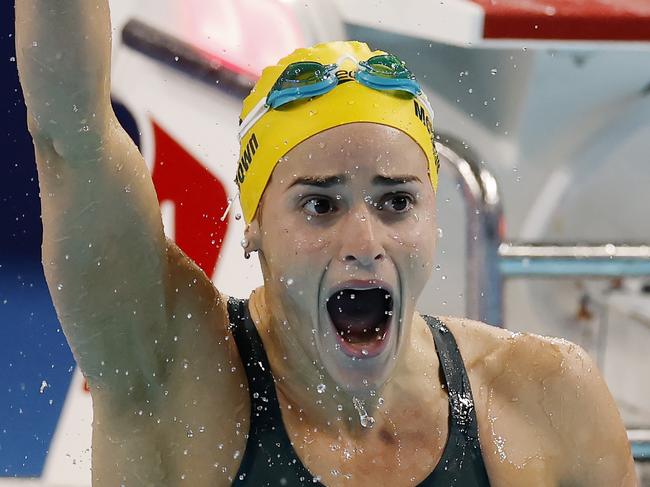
[
  {"x": 558, "y": 389},
  {"x": 492, "y": 349},
  {"x": 509, "y": 361}
]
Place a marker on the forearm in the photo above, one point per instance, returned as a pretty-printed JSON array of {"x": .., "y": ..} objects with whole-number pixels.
[
  {"x": 63, "y": 51},
  {"x": 104, "y": 250}
]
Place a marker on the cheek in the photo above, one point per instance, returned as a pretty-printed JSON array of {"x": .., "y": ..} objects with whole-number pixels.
[
  {"x": 413, "y": 245},
  {"x": 417, "y": 233},
  {"x": 293, "y": 243},
  {"x": 310, "y": 245}
]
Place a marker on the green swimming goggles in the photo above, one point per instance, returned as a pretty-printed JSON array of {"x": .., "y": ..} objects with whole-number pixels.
[{"x": 306, "y": 79}]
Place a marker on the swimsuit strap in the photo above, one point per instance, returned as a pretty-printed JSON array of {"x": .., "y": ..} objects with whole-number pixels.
[
  {"x": 462, "y": 462},
  {"x": 269, "y": 457}
]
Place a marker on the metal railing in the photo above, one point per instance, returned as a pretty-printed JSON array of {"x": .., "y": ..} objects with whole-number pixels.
[
  {"x": 490, "y": 260},
  {"x": 484, "y": 229}
]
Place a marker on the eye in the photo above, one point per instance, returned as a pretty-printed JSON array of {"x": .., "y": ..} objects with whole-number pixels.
[
  {"x": 318, "y": 206},
  {"x": 397, "y": 203}
]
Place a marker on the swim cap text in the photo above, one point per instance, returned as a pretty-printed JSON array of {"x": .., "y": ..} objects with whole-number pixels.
[{"x": 246, "y": 158}]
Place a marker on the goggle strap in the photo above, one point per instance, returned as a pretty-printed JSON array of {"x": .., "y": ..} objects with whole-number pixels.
[
  {"x": 251, "y": 119},
  {"x": 236, "y": 197},
  {"x": 425, "y": 101}
]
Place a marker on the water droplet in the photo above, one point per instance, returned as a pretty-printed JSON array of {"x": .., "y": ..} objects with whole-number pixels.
[
  {"x": 289, "y": 281},
  {"x": 320, "y": 388},
  {"x": 44, "y": 385},
  {"x": 493, "y": 71},
  {"x": 365, "y": 420}
]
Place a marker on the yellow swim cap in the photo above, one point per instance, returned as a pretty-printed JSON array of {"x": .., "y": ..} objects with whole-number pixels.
[{"x": 281, "y": 129}]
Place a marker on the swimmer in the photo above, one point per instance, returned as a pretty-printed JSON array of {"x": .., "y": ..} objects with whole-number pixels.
[{"x": 326, "y": 374}]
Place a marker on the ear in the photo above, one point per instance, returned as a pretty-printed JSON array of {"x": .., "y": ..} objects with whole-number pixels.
[{"x": 253, "y": 236}]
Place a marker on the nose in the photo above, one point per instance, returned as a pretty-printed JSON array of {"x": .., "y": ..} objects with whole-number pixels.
[{"x": 362, "y": 239}]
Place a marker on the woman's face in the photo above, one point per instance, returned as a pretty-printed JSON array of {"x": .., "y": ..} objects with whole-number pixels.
[{"x": 346, "y": 237}]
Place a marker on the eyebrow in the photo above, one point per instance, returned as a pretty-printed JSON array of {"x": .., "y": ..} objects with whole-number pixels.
[{"x": 329, "y": 181}]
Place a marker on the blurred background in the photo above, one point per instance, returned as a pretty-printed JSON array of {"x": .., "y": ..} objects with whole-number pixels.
[{"x": 542, "y": 110}]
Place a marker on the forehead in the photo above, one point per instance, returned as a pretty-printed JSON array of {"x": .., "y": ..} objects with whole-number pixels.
[{"x": 351, "y": 149}]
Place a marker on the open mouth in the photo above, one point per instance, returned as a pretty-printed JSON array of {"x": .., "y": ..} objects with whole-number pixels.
[{"x": 361, "y": 318}]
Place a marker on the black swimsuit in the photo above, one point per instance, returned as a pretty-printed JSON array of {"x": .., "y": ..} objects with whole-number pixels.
[{"x": 269, "y": 458}]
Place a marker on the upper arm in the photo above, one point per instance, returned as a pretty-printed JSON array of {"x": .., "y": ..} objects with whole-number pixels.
[
  {"x": 588, "y": 423},
  {"x": 194, "y": 398},
  {"x": 104, "y": 254}
]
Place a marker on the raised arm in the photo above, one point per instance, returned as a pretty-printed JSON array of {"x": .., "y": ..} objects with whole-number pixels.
[{"x": 105, "y": 256}]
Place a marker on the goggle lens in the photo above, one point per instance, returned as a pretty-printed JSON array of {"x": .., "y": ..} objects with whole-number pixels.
[
  {"x": 303, "y": 73},
  {"x": 387, "y": 66}
]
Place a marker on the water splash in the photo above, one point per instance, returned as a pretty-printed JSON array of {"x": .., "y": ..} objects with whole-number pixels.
[{"x": 365, "y": 420}]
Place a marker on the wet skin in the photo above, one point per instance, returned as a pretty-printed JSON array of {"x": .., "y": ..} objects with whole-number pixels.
[{"x": 150, "y": 331}]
